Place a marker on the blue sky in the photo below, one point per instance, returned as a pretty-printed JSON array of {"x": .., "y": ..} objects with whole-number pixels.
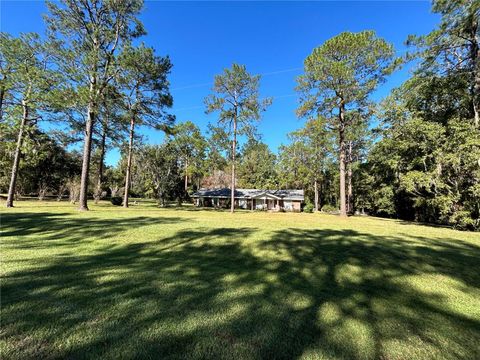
[{"x": 270, "y": 38}]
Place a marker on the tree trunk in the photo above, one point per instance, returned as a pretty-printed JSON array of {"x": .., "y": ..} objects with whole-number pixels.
[
  {"x": 475, "y": 55},
  {"x": 349, "y": 180},
  {"x": 186, "y": 175},
  {"x": 350, "y": 192},
  {"x": 341, "y": 137},
  {"x": 476, "y": 90},
  {"x": 129, "y": 163},
  {"x": 16, "y": 160},
  {"x": 320, "y": 192},
  {"x": 476, "y": 110},
  {"x": 100, "y": 164},
  {"x": 2, "y": 97},
  {"x": 87, "y": 146},
  {"x": 316, "y": 194},
  {"x": 234, "y": 147},
  {"x": 87, "y": 150}
]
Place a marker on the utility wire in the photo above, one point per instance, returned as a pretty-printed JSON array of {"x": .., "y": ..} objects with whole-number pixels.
[
  {"x": 398, "y": 52},
  {"x": 191, "y": 86},
  {"x": 202, "y": 107},
  {"x": 269, "y": 73}
]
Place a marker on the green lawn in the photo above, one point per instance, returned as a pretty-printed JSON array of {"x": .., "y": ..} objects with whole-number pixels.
[{"x": 144, "y": 282}]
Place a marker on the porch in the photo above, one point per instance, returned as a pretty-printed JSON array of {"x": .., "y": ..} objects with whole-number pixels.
[{"x": 266, "y": 201}]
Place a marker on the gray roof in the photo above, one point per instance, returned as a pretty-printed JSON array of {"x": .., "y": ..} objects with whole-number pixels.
[{"x": 250, "y": 193}]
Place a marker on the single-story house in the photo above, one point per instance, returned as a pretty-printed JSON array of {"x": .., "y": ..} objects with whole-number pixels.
[{"x": 252, "y": 199}]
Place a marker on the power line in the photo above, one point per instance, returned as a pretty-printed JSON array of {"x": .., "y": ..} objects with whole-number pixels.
[
  {"x": 281, "y": 71},
  {"x": 191, "y": 86},
  {"x": 269, "y": 73},
  {"x": 202, "y": 107}
]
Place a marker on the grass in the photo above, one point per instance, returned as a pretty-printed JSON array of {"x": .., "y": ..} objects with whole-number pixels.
[{"x": 145, "y": 282}]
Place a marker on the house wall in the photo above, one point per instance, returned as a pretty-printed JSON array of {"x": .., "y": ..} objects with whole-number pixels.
[
  {"x": 292, "y": 205},
  {"x": 288, "y": 205},
  {"x": 297, "y": 206}
]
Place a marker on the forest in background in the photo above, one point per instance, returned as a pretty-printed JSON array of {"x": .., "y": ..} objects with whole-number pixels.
[{"x": 415, "y": 155}]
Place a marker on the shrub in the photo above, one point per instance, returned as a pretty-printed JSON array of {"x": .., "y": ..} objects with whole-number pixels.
[
  {"x": 73, "y": 187},
  {"x": 116, "y": 200},
  {"x": 462, "y": 220},
  {"x": 308, "y": 208},
  {"x": 329, "y": 208}
]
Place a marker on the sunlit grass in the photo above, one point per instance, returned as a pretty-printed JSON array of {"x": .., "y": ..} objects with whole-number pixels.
[{"x": 146, "y": 282}]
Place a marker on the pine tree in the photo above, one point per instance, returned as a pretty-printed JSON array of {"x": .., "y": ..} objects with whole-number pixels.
[
  {"x": 236, "y": 98},
  {"x": 339, "y": 77},
  {"x": 88, "y": 35},
  {"x": 145, "y": 88}
]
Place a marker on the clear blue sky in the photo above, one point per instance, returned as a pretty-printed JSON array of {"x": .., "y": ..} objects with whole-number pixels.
[{"x": 270, "y": 38}]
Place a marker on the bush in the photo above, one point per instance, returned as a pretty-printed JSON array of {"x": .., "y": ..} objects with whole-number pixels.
[
  {"x": 329, "y": 209},
  {"x": 308, "y": 208},
  {"x": 116, "y": 200},
  {"x": 462, "y": 220}
]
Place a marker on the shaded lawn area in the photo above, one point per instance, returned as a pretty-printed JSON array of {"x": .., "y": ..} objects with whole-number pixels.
[{"x": 144, "y": 283}]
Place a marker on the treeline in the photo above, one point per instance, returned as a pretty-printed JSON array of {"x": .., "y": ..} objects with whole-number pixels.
[
  {"x": 415, "y": 155},
  {"x": 87, "y": 75}
]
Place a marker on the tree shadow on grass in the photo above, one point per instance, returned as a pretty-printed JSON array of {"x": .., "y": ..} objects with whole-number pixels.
[
  {"x": 208, "y": 294},
  {"x": 372, "y": 291},
  {"x": 207, "y": 209},
  {"x": 67, "y": 229}
]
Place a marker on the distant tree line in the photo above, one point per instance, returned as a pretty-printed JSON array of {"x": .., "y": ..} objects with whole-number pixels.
[{"x": 415, "y": 155}]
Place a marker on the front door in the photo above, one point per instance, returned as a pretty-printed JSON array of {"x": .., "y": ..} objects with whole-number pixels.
[{"x": 270, "y": 204}]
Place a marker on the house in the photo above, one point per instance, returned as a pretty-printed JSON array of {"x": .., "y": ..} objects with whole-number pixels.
[{"x": 252, "y": 199}]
